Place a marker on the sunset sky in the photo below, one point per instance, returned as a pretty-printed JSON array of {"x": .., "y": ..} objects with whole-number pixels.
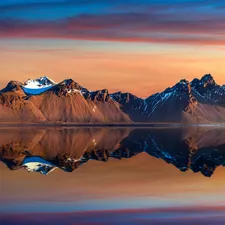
[{"x": 133, "y": 47}]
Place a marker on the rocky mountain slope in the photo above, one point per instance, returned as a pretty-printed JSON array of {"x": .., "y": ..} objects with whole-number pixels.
[
  {"x": 63, "y": 102},
  {"x": 45, "y": 101},
  {"x": 199, "y": 101}
]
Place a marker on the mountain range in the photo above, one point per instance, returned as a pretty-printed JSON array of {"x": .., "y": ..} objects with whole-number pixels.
[{"x": 43, "y": 100}]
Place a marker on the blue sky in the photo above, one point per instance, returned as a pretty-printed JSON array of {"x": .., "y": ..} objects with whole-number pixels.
[{"x": 183, "y": 21}]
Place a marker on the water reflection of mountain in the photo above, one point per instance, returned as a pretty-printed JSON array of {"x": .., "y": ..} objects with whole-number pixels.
[{"x": 43, "y": 150}]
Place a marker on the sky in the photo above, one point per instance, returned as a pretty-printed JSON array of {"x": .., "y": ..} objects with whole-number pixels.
[{"x": 133, "y": 46}]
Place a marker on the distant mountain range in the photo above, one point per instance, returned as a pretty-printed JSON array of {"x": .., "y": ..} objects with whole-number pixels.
[{"x": 44, "y": 101}]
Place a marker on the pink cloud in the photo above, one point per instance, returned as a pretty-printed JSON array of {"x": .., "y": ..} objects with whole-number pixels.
[{"x": 130, "y": 27}]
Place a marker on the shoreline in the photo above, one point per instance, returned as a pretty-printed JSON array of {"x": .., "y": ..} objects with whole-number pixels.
[{"x": 131, "y": 125}]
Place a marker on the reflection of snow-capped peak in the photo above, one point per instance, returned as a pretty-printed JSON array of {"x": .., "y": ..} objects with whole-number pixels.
[{"x": 37, "y": 164}]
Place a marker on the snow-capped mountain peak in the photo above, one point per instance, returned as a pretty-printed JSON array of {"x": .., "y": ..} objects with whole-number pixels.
[
  {"x": 208, "y": 79},
  {"x": 38, "y": 86},
  {"x": 39, "y": 83}
]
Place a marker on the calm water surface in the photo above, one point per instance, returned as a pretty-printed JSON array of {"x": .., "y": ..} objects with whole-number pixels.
[{"x": 112, "y": 176}]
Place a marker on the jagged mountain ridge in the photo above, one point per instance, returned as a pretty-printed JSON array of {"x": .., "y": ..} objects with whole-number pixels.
[
  {"x": 63, "y": 102},
  {"x": 199, "y": 101}
]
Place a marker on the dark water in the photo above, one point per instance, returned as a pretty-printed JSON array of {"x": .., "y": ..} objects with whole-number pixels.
[{"x": 112, "y": 175}]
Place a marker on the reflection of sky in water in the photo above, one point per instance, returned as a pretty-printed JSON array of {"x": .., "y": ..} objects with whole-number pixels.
[
  {"x": 112, "y": 204},
  {"x": 174, "y": 216}
]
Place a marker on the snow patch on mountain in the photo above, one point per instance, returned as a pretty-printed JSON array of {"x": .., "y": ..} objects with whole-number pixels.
[
  {"x": 70, "y": 91},
  {"x": 163, "y": 98}
]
